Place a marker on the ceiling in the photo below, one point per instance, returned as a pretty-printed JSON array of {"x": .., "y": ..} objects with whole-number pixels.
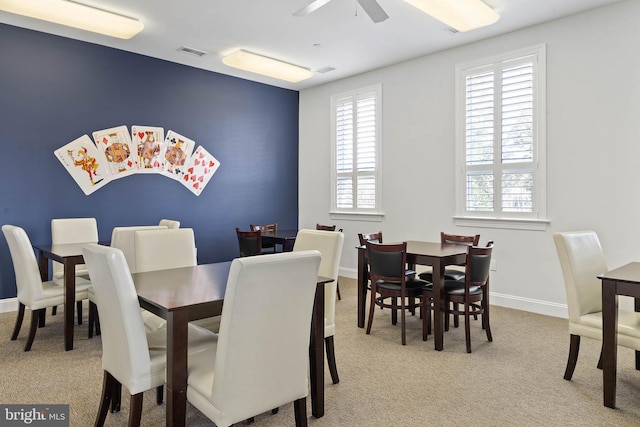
[{"x": 339, "y": 35}]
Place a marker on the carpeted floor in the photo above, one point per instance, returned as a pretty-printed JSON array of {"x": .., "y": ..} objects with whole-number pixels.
[{"x": 514, "y": 381}]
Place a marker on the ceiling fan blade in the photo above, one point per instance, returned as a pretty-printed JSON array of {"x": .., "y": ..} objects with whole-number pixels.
[
  {"x": 374, "y": 10},
  {"x": 311, "y": 7}
]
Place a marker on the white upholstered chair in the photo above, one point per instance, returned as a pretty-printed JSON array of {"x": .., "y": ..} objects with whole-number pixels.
[
  {"x": 165, "y": 249},
  {"x": 32, "y": 291},
  {"x": 329, "y": 244},
  {"x": 73, "y": 230},
  {"x": 123, "y": 238},
  {"x": 169, "y": 223},
  {"x": 131, "y": 356},
  {"x": 261, "y": 359},
  {"x": 582, "y": 260}
]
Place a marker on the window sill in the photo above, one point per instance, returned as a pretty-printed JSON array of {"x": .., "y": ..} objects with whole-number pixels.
[
  {"x": 357, "y": 216},
  {"x": 506, "y": 223}
]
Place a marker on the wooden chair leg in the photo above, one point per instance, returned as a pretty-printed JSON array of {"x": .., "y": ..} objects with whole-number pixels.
[
  {"x": 485, "y": 319},
  {"x": 467, "y": 327},
  {"x": 35, "y": 319},
  {"x": 574, "y": 349},
  {"x": 116, "y": 396},
  {"x": 338, "y": 291},
  {"x": 251, "y": 420},
  {"x": 79, "y": 310},
  {"x": 600, "y": 360},
  {"x": 94, "y": 320},
  {"x": 20, "y": 316},
  {"x": 54, "y": 310},
  {"x": 42, "y": 318},
  {"x": 135, "y": 410},
  {"x": 402, "y": 321},
  {"x": 372, "y": 309},
  {"x": 300, "y": 411},
  {"x": 159, "y": 394},
  {"x": 331, "y": 359},
  {"x": 275, "y": 411},
  {"x": 107, "y": 389}
]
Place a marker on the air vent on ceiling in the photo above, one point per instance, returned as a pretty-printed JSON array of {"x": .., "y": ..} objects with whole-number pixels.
[
  {"x": 325, "y": 70},
  {"x": 191, "y": 51}
]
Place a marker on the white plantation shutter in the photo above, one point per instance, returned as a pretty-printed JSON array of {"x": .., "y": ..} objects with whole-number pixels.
[
  {"x": 503, "y": 106},
  {"x": 356, "y": 145}
]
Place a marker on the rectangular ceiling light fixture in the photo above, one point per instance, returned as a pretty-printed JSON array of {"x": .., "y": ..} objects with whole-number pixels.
[
  {"x": 462, "y": 15},
  {"x": 76, "y": 15},
  {"x": 266, "y": 66}
]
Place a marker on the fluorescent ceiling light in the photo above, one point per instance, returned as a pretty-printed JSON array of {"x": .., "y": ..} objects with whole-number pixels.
[
  {"x": 76, "y": 15},
  {"x": 462, "y": 15},
  {"x": 266, "y": 66}
]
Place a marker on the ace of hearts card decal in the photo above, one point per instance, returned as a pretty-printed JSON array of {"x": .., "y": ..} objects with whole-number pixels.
[{"x": 199, "y": 170}]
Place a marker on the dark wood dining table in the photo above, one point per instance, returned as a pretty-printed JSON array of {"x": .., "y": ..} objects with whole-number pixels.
[
  {"x": 624, "y": 280},
  {"x": 185, "y": 294},
  {"x": 284, "y": 237},
  {"x": 69, "y": 255},
  {"x": 435, "y": 254}
]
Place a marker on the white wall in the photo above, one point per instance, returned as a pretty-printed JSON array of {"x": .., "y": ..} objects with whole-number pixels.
[{"x": 593, "y": 151}]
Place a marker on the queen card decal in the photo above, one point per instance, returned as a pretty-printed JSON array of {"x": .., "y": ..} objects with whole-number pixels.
[
  {"x": 177, "y": 150},
  {"x": 116, "y": 148},
  {"x": 149, "y": 142},
  {"x": 80, "y": 158},
  {"x": 199, "y": 170}
]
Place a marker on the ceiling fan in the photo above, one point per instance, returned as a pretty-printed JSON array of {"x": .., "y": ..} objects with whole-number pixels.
[{"x": 371, "y": 7}]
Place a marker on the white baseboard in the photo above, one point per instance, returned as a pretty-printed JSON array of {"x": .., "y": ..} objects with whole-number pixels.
[
  {"x": 8, "y": 304},
  {"x": 502, "y": 300}
]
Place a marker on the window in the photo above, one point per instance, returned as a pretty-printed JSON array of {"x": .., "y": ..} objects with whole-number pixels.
[
  {"x": 501, "y": 140},
  {"x": 356, "y": 152}
]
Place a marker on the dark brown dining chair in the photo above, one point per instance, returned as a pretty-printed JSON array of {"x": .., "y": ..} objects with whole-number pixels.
[
  {"x": 269, "y": 228},
  {"x": 452, "y": 273},
  {"x": 331, "y": 228},
  {"x": 471, "y": 297},
  {"x": 387, "y": 267},
  {"x": 249, "y": 242}
]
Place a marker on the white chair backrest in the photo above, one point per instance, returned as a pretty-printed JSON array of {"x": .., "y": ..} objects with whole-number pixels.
[
  {"x": 25, "y": 265},
  {"x": 164, "y": 249},
  {"x": 582, "y": 260},
  {"x": 72, "y": 230},
  {"x": 170, "y": 223},
  {"x": 123, "y": 238},
  {"x": 330, "y": 244},
  {"x": 125, "y": 352},
  {"x": 262, "y": 355}
]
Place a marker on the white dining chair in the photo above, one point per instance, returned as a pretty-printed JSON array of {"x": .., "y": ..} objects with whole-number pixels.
[
  {"x": 165, "y": 249},
  {"x": 329, "y": 244},
  {"x": 131, "y": 356},
  {"x": 261, "y": 359},
  {"x": 32, "y": 291},
  {"x": 123, "y": 238},
  {"x": 73, "y": 230},
  {"x": 582, "y": 260},
  {"x": 169, "y": 223}
]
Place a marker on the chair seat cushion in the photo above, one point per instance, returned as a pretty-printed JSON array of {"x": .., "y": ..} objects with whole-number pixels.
[
  {"x": 449, "y": 274},
  {"x": 455, "y": 287},
  {"x": 53, "y": 294}
]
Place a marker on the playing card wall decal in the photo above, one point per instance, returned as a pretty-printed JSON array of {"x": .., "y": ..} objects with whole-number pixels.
[{"x": 116, "y": 154}]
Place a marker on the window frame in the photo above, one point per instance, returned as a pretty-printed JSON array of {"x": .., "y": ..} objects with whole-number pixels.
[
  {"x": 375, "y": 214},
  {"x": 537, "y": 219}
]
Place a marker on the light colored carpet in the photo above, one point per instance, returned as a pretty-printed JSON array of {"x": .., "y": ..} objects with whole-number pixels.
[{"x": 514, "y": 381}]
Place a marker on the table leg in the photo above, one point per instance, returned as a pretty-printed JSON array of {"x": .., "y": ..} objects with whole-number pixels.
[
  {"x": 316, "y": 354},
  {"x": 177, "y": 342},
  {"x": 438, "y": 324},
  {"x": 362, "y": 287},
  {"x": 69, "y": 302},
  {"x": 609, "y": 344}
]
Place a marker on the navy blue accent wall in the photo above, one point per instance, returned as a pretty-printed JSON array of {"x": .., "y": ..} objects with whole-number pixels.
[{"x": 53, "y": 90}]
